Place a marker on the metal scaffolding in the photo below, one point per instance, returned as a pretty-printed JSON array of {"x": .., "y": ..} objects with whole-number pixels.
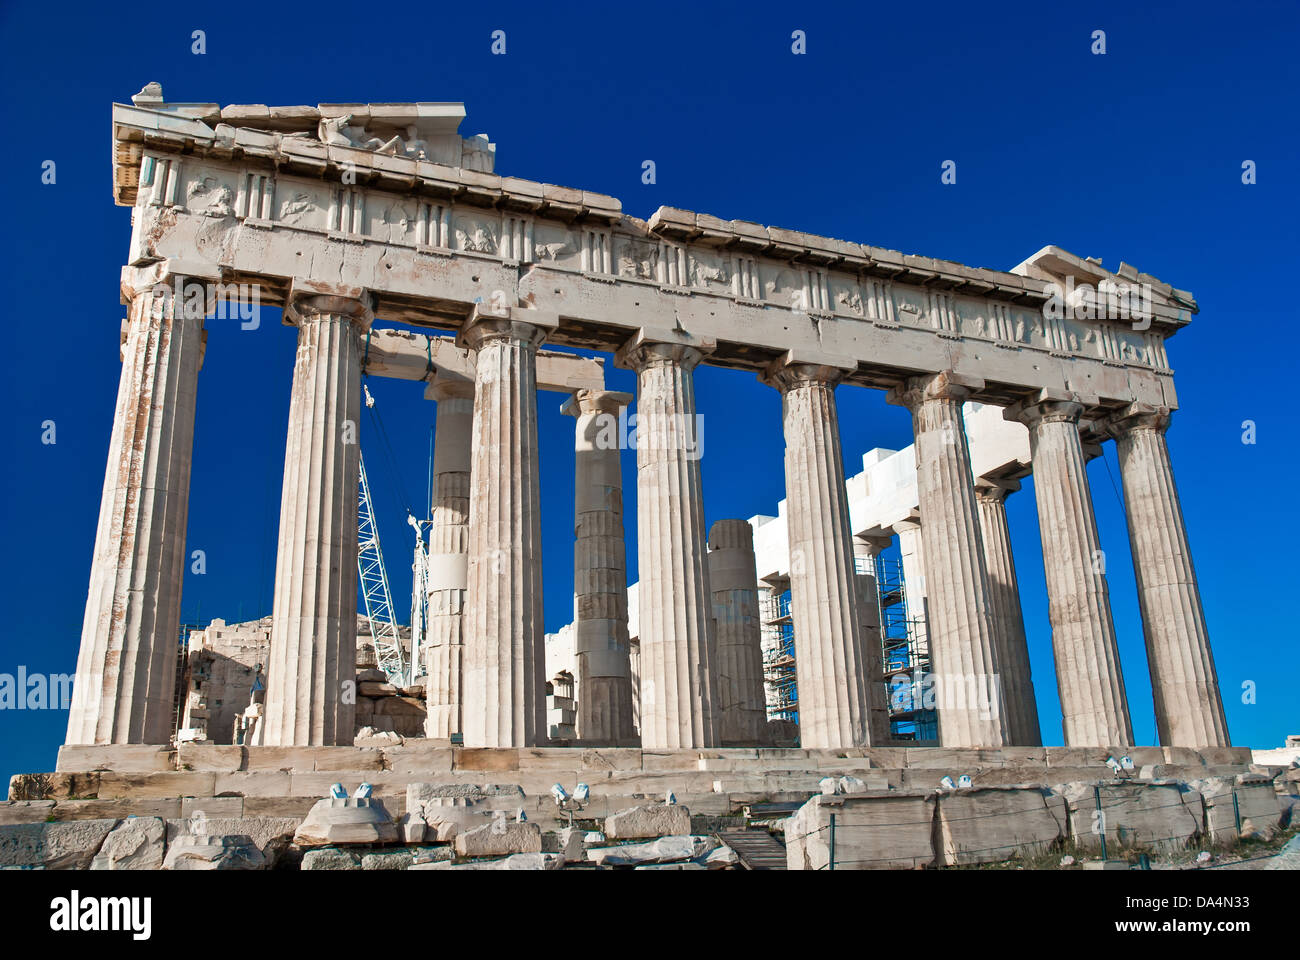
[
  {"x": 778, "y": 657},
  {"x": 906, "y": 657}
]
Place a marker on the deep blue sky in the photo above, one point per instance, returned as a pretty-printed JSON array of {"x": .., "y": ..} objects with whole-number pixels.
[{"x": 1135, "y": 155}]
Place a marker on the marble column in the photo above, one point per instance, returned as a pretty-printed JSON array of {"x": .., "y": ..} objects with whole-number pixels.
[
  {"x": 504, "y": 659},
  {"x": 912, "y": 556},
  {"x": 1094, "y": 705},
  {"x": 126, "y": 668},
  {"x": 866, "y": 550},
  {"x": 1008, "y": 620},
  {"x": 968, "y": 695},
  {"x": 604, "y": 666},
  {"x": 312, "y": 666},
  {"x": 734, "y": 582},
  {"x": 678, "y": 644},
  {"x": 1184, "y": 683},
  {"x": 448, "y": 554},
  {"x": 831, "y": 670}
]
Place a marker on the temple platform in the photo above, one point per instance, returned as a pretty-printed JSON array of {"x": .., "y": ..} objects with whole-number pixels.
[{"x": 238, "y": 781}]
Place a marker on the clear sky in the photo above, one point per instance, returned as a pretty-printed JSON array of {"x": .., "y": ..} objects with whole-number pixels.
[{"x": 1133, "y": 155}]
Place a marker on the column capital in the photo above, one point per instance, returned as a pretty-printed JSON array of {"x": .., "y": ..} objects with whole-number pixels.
[
  {"x": 595, "y": 401},
  {"x": 647, "y": 348},
  {"x": 795, "y": 369},
  {"x": 312, "y": 299},
  {"x": 945, "y": 385},
  {"x": 871, "y": 546},
  {"x": 906, "y": 525},
  {"x": 1047, "y": 406},
  {"x": 445, "y": 387},
  {"x": 1136, "y": 416},
  {"x": 486, "y": 323},
  {"x": 994, "y": 489}
]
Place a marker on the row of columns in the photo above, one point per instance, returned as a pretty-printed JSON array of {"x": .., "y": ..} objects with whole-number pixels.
[{"x": 486, "y": 631}]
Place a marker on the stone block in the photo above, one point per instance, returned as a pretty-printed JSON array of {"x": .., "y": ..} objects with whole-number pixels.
[
  {"x": 722, "y": 858},
  {"x": 25, "y": 811},
  {"x": 499, "y": 838},
  {"x": 117, "y": 809},
  {"x": 233, "y": 852},
  {"x": 1162, "y": 814},
  {"x": 258, "y": 783},
  {"x": 209, "y": 757},
  {"x": 387, "y": 860},
  {"x": 659, "y": 820},
  {"x": 212, "y": 807},
  {"x": 662, "y": 850},
  {"x": 137, "y": 843},
  {"x": 335, "y": 821},
  {"x": 413, "y": 828},
  {"x": 686, "y": 865},
  {"x": 418, "y": 758},
  {"x": 349, "y": 760},
  {"x": 872, "y": 831},
  {"x": 986, "y": 825},
  {"x": 54, "y": 846},
  {"x": 1256, "y": 807},
  {"x": 485, "y": 758},
  {"x": 53, "y": 786},
  {"x": 156, "y": 785},
  {"x": 296, "y": 807},
  {"x": 120, "y": 757},
  {"x": 262, "y": 831},
  {"x": 518, "y": 861},
  {"x": 331, "y": 858}
]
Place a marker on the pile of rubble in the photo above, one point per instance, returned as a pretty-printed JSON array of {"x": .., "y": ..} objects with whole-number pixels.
[{"x": 470, "y": 827}]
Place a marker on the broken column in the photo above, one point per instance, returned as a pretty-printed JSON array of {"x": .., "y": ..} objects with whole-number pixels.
[
  {"x": 126, "y": 667},
  {"x": 448, "y": 554},
  {"x": 1094, "y": 705},
  {"x": 866, "y": 550},
  {"x": 503, "y": 673},
  {"x": 678, "y": 673},
  {"x": 962, "y": 650},
  {"x": 600, "y": 570},
  {"x": 312, "y": 667},
  {"x": 1184, "y": 683},
  {"x": 833, "y": 683},
  {"x": 1008, "y": 619},
  {"x": 911, "y": 554},
  {"x": 732, "y": 578}
]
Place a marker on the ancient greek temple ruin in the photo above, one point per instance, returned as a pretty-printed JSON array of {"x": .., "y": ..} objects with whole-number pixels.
[{"x": 394, "y": 248}]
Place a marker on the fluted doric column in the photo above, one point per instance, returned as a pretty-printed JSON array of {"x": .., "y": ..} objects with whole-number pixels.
[
  {"x": 600, "y": 643},
  {"x": 505, "y": 658},
  {"x": 962, "y": 648},
  {"x": 1094, "y": 705},
  {"x": 734, "y": 582},
  {"x": 1184, "y": 683},
  {"x": 126, "y": 668},
  {"x": 678, "y": 646},
  {"x": 830, "y": 663},
  {"x": 448, "y": 554},
  {"x": 1008, "y": 619},
  {"x": 312, "y": 667}
]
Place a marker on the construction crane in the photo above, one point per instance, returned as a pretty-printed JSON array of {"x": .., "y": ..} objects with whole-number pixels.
[{"x": 374, "y": 587}]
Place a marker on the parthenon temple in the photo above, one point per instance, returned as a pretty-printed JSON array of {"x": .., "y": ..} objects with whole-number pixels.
[
  {"x": 344, "y": 214},
  {"x": 394, "y": 248}
]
